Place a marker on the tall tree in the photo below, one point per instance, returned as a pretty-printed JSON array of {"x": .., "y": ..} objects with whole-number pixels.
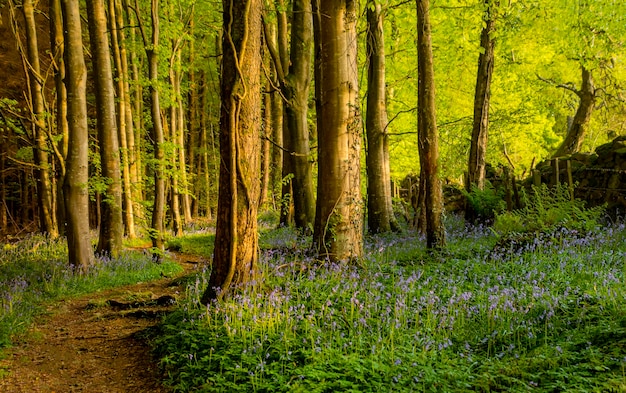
[
  {"x": 294, "y": 83},
  {"x": 236, "y": 240},
  {"x": 482, "y": 96},
  {"x": 157, "y": 226},
  {"x": 338, "y": 217},
  {"x": 577, "y": 129},
  {"x": 379, "y": 206},
  {"x": 47, "y": 217},
  {"x": 75, "y": 185},
  {"x": 111, "y": 225},
  {"x": 428, "y": 138}
]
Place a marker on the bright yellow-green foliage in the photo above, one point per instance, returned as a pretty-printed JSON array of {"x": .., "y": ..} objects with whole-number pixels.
[{"x": 540, "y": 45}]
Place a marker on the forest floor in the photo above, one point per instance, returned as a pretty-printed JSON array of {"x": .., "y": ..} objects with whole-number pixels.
[{"x": 94, "y": 343}]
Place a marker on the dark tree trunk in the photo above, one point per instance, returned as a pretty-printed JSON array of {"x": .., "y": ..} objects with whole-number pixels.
[
  {"x": 75, "y": 186},
  {"x": 379, "y": 206},
  {"x": 482, "y": 95},
  {"x": 428, "y": 139},
  {"x": 296, "y": 91},
  {"x": 577, "y": 130},
  {"x": 236, "y": 240},
  {"x": 44, "y": 186},
  {"x": 111, "y": 224},
  {"x": 338, "y": 219}
]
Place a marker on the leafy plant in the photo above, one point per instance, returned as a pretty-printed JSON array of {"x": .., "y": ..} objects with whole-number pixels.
[
  {"x": 547, "y": 208},
  {"x": 485, "y": 203}
]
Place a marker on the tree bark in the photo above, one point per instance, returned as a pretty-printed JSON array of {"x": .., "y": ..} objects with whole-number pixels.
[
  {"x": 428, "y": 139},
  {"x": 577, "y": 130},
  {"x": 338, "y": 219},
  {"x": 482, "y": 95},
  {"x": 380, "y": 216},
  {"x": 236, "y": 240},
  {"x": 295, "y": 87},
  {"x": 75, "y": 187},
  {"x": 44, "y": 186},
  {"x": 57, "y": 48},
  {"x": 111, "y": 224}
]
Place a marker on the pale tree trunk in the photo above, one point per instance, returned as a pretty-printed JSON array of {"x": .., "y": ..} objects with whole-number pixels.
[
  {"x": 338, "y": 219},
  {"x": 57, "y": 49},
  {"x": 380, "y": 216},
  {"x": 111, "y": 224},
  {"x": 482, "y": 95},
  {"x": 121, "y": 77},
  {"x": 577, "y": 130},
  {"x": 236, "y": 240},
  {"x": 75, "y": 187},
  {"x": 204, "y": 143},
  {"x": 44, "y": 185},
  {"x": 428, "y": 139},
  {"x": 177, "y": 220},
  {"x": 180, "y": 138}
]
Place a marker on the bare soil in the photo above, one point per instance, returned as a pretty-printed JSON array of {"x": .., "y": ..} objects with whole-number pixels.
[{"x": 94, "y": 343}]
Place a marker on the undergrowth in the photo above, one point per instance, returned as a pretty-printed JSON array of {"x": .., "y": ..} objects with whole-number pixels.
[
  {"x": 34, "y": 271},
  {"x": 549, "y": 318}
]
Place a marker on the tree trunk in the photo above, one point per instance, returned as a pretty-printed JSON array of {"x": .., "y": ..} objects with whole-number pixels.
[
  {"x": 428, "y": 139},
  {"x": 111, "y": 225},
  {"x": 577, "y": 130},
  {"x": 482, "y": 95},
  {"x": 158, "y": 206},
  {"x": 44, "y": 186},
  {"x": 379, "y": 206},
  {"x": 123, "y": 121},
  {"x": 75, "y": 186},
  {"x": 338, "y": 219},
  {"x": 236, "y": 240},
  {"x": 295, "y": 88},
  {"x": 57, "y": 49}
]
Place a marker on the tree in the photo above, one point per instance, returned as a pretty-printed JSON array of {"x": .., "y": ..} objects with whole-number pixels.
[
  {"x": 428, "y": 138},
  {"x": 380, "y": 216},
  {"x": 236, "y": 240},
  {"x": 75, "y": 185},
  {"x": 577, "y": 129},
  {"x": 482, "y": 95},
  {"x": 36, "y": 79},
  {"x": 111, "y": 225},
  {"x": 338, "y": 217}
]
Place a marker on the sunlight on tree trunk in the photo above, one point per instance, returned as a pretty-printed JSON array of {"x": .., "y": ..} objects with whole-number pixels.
[{"x": 236, "y": 239}]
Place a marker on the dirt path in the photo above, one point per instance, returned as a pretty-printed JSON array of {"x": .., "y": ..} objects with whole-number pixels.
[{"x": 92, "y": 343}]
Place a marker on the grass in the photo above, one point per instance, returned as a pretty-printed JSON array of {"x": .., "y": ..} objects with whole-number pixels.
[
  {"x": 34, "y": 272},
  {"x": 544, "y": 315}
]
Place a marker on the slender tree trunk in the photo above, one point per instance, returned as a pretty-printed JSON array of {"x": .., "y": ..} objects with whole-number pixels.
[
  {"x": 204, "y": 143},
  {"x": 57, "y": 49},
  {"x": 75, "y": 186},
  {"x": 111, "y": 225},
  {"x": 265, "y": 146},
  {"x": 236, "y": 239},
  {"x": 121, "y": 76},
  {"x": 182, "y": 145},
  {"x": 44, "y": 186},
  {"x": 428, "y": 139},
  {"x": 158, "y": 207},
  {"x": 296, "y": 91},
  {"x": 577, "y": 130},
  {"x": 482, "y": 95},
  {"x": 338, "y": 219},
  {"x": 379, "y": 206}
]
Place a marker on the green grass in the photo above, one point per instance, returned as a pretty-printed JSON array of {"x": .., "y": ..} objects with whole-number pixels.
[
  {"x": 547, "y": 315},
  {"x": 35, "y": 272}
]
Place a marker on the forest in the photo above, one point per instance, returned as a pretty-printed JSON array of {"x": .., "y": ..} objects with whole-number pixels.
[{"x": 324, "y": 195}]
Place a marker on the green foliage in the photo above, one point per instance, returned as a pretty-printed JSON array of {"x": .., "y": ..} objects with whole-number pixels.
[
  {"x": 547, "y": 208},
  {"x": 34, "y": 271},
  {"x": 197, "y": 244},
  {"x": 486, "y": 203},
  {"x": 547, "y": 318}
]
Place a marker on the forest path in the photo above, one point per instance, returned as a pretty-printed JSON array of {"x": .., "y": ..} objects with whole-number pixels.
[{"x": 93, "y": 344}]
